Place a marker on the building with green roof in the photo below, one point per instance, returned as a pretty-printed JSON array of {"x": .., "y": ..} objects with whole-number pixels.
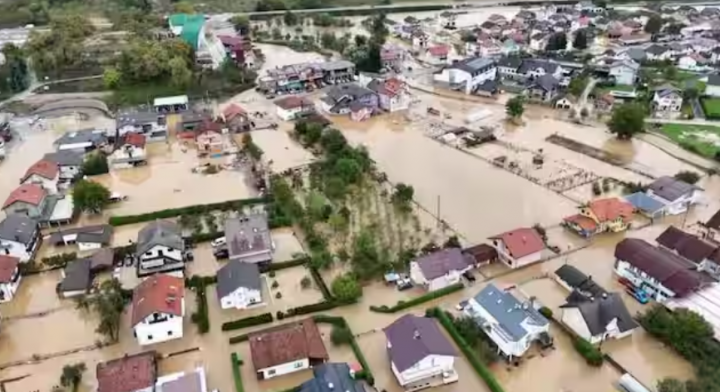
[{"x": 191, "y": 29}]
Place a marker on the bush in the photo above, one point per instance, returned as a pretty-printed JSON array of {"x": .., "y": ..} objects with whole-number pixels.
[
  {"x": 689, "y": 177},
  {"x": 472, "y": 357},
  {"x": 278, "y": 295},
  {"x": 312, "y": 308},
  {"x": 237, "y": 375},
  {"x": 592, "y": 355},
  {"x": 248, "y": 322},
  {"x": 60, "y": 260},
  {"x": 339, "y": 322},
  {"x": 239, "y": 339},
  {"x": 190, "y": 210},
  {"x": 340, "y": 336},
  {"x": 402, "y": 305},
  {"x": 95, "y": 164},
  {"x": 269, "y": 268},
  {"x": 305, "y": 282},
  {"x": 546, "y": 312},
  {"x": 271, "y": 274},
  {"x": 275, "y": 284},
  {"x": 596, "y": 189},
  {"x": 201, "y": 317}
]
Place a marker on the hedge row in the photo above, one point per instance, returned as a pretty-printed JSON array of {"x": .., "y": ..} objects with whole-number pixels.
[
  {"x": 237, "y": 375},
  {"x": 402, "y": 305},
  {"x": 592, "y": 355},
  {"x": 201, "y": 317},
  {"x": 469, "y": 353},
  {"x": 307, "y": 309},
  {"x": 239, "y": 339},
  {"x": 60, "y": 260},
  {"x": 321, "y": 284},
  {"x": 365, "y": 373},
  {"x": 248, "y": 322},
  {"x": 283, "y": 264},
  {"x": 190, "y": 210}
]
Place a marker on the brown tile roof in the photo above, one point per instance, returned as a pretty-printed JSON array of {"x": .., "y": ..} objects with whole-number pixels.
[
  {"x": 287, "y": 343},
  {"x": 482, "y": 252},
  {"x": 43, "y": 168},
  {"x": 232, "y": 111},
  {"x": 582, "y": 221},
  {"x": 28, "y": 193},
  {"x": 521, "y": 242},
  {"x": 128, "y": 374},
  {"x": 292, "y": 102},
  {"x": 8, "y": 266},
  {"x": 674, "y": 272},
  {"x": 158, "y": 294},
  {"x": 686, "y": 245},
  {"x": 611, "y": 209}
]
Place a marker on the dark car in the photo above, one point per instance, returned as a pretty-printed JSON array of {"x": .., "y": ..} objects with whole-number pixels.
[
  {"x": 469, "y": 276},
  {"x": 221, "y": 253}
]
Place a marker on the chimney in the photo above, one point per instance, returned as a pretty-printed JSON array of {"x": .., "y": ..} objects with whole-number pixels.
[
  {"x": 330, "y": 385},
  {"x": 416, "y": 334},
  {"x": 604, "y": 296},
  {"x": 524, "y": 239}
]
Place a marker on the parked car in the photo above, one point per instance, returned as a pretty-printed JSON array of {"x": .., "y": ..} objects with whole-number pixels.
[
  {"x": 188, "y": 256},
  {"x": 640, "y": 295},
  {"x": 218, "y": 242},
  {"x": 117, "y": 197},
  {"x": 221, "y": 253},
  {"x": 461, "y": 306},
  {"x": 469, "y": 276},
  {"x": 404, "y": 284}
]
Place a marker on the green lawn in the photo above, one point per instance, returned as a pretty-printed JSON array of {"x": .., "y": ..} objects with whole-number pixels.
[
  {"x": 700, "y": 139},
  {"x": 622, "y": 87},
  {"x": 711, "y": 107}
]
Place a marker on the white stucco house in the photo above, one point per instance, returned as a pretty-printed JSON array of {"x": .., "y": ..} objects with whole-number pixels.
[
  {"x": 293, "y": 107},
  {"x": 676, "y": 195},
  {"x": 513, "y": 325},
  {"x": 85, "y": 237},
  {"x": 421, "y": 356},
  {"x": 239, "y": 285},
  {"x": 19, "y": 237},
  {"x": 519, "y": 247},
  {"x": 713, "y": 86},
  {"x": 439, "y": 269},
  {"x": 624, "y": 72},
  {"x": 159, "y": 248},
  {"x": 393, "y": 94},
  {"x": 69, "y": 162},
  {"x": 158, "y": 309},
  {"x": 286, "y": 349},
  {"x": 597, "y": 319},
  {"x": 44, "y": 173},
  {"x": 467, "y": 74},
  {"x": 9, "y": 277},
  {"x": 667, "y": 102}
]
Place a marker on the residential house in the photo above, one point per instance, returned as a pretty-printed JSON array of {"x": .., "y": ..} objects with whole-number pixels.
[
  {"x": 69, "y": 163},
  {"x": 520, "y": 247},
  {"x": 713, "y": 85},
  {"x": 646, "y": 205},
  {"x": 19, "y": 237},
  {"x": 82, "y": 140},
  {"x": 419, "y": 39},
  {"x": 210, "y": 142},
  {"x": 658, "y": 52},
  {"x": 393, "y": 93},
  {"x": 236, "y": 119},
  {"x": 209, "y": 50},
  {"x": 248, "y": 239},
  {"x": 624, "y": 72},
  {"x": 572, "y": 279},
  {"x": 439, "y": 269},
  {"x": 481, "y": 254},
  {"x": 437, "y": 55},
  {"x": 667, "y": 102},
  {"x": 44, "y": 173},
  {"x": 539, "y": 41},
  {"x": 533, "y": 68},
  {"x": 392, "y": 56},
  {"x": 597, "y": 319},
  {"x": 704, "y": 254},
  {"x": 130, "y": 373},
  {"x": 544, "y": 88},
  {"x": 9, "y": 277},
  {"x": 337, "y": 71},
  {"x": 660, "y": 272},
  {"x": 421, "y": 356},
  {"x": 239, "y": 285},
  {"x": 599, "y": 216},
  {"x": 149, "y": 123},
  {"x": 85, "y": 237},
  {"x": 185, "y": 381},
  {"x": 287, "y": 348},
  {"x": 711, "y": 228},
  {"x": 158, "y": 308},
  {"x": 341, "y": 99},
  {"x": 293, "y": 107},
  {"x": 513, "y": 325},
  {"x": 448, "y": 20},
  {"x": 29, "y": 199},
  {"x": 78, "y": 275},
  {"x": 677, "y": 195},
  {"x": 332, "y": 377},
  {"x": 508, "y": 67},
  {"x": 131, "y": 152},
  {"x": 466, "y": 75},
  {"x": 159, "y": 248}
]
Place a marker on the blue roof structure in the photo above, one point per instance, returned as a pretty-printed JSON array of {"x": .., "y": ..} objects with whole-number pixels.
[
  {"x": 644, "y": 203},
  {"x": 510, "y": 313},
  {"x": 331, "y": 377}
]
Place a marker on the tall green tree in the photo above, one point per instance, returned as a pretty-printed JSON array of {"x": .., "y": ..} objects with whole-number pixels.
[
  {"x": 346, "y": 288},
  {"x": 290, "y": 18},
  {"x": 108, "y": 304},
  {"x": 654, "y": 24},
  {"x": 72, "y": 375},
  {"x": 515, "y": 107},
  {"x": 241, "y": 23},
  {"x": 670, "y": 385},
  {"x": 580, "y": 42},
  {"x": 90, "y": 196},
  {"x": 627, "y": 120},
  {"x": 557, "y": 41}
]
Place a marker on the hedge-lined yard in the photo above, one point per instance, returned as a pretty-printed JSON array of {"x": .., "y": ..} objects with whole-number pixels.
[
  {"x": 471, "y": 356},
  {"x": 189, "y": 210},
  {"x": 365, "y": 373},
  {"x": 402, "y": 305}
]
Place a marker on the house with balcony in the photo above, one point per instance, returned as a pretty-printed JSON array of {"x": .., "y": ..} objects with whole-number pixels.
[
  {"x": 624, "y": 72},
  {"x": 704, "y": 254},
  {"x": 159, "y": 248},
  {"x": 676, "y": 195},
  {"x": 520, "y": 247},
  {"x": 236, "y": 119},
  {"x": 440, "y": 269},
  {"x": 421, "y": 356},
  {"x": 348, "y": 98},
  {"x": 44, "y": 173},
  {"x": 602, "y": 215},
  {"x": 667, "y": 102},
  {"x": 662, "y": 273},
  {"x": 20, "y": 237},
  {"x": 511, "y": 324},
  {"x": 466, "y": 75},
  {"x": 146, "y": 122},
  {"x": 239, "y": 285},
  {"x": 158, "y": 308},
  {"x": 9, "y": 277}
]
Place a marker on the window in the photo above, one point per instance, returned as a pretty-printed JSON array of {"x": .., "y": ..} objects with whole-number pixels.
[
  {"x": 271, "y": 372},
  {"x": 169, "y": 333},
  {"x": 298, "y": 365},
  {"x": 149, "y": 337}
]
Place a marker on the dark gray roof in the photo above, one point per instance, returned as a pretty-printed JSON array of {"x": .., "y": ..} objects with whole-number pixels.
[
  {"x": 137, "y": 117},
  {"x": 509, "y": 312},
  {"x": 439, "y": 263},
  {"x": 671, "y": 189},
  {"x": 656, "y": 49},
  {"x": 531, "y": 65},
  {"x": 412, "y": 338},
  {"x": 66, "y": 157},
  {"x": 331, "y": 377},
  {"x": 577, "y": 280},
  {"x": 247, "y": 235},
  {"x": 473, "y": 64},
  {"x": 159, "y": 232},
  {"x": 546, "y": 82},
  {"x": 336, "y": 65},
  {"x": 77, "y": 276},
  {"x": 636, "y": 54},
  {"x": 488, "y": 25},
  {"x": 236, "y": 274},
  {"x": 714, "y": 80},
  {"x": 598, "y": 312},
  {"x": 489, "y": 85},
  {"x": 18, "y": 228},
  {"x": 350, "y": 89},
  {"x": 513, "y": 62},
  {"x": 93, "y": 136},
  {"x": 98, "y": 233}
]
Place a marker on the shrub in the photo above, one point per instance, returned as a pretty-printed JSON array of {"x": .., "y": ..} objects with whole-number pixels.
[
  {"x": 269, "y": 268},
  {"x": 688, "y": 176},
  {"x": 402, "y": 305},
  {"x": 271, "y": 274},
  {"x": 239, "y": 339},
  {"x": 190, "y": 210},
  {"x": 596, "y": 189},
  {"x": 312, "y": 308},
  {"x": 547, "y": 312},
  {"x": 340, "y": 335},
  {"x": 592, "y": 355},
  {"x": 278, "y": 295},
  {"x": 95, "y": 164},
  {"x": 279, "y": 315},
  {"x": 237, "y": 376},
  {"x": 275, "y": 284},
  {"x": 305, "y": 282},
  {"x": 248, "y": 322},
  {"x": 60, "y": 260}
]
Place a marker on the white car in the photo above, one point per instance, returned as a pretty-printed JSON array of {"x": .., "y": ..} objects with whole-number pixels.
[{"x": 218, "y": 242}]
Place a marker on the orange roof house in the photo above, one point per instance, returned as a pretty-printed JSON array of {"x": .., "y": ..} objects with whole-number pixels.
[
  {"x": 42, "y": 168},
  {"x": 611, "y": 214},
  {"x": 27, "y": 193}
]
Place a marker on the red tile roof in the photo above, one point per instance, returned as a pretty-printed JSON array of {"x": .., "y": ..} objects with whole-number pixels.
[
  {"x": 439, "y": 51},
  {"x": 521, "y": 242},
  {"x": 611, "y": 209},
  {"x": 158, "y": 294},
  {"x": 28, "y": 193},
  {"x": 582, "y": 221},
  {"x": 232, "y": 111},
  {"x": 43, "y": 168},
  {"x": 287, "y": 343},
  {"x": 135, "y": 139},
  {"x": 8, "y": 266},
  {"x": 127, "y": 374},
  {"x": 292, "y": 102}
]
